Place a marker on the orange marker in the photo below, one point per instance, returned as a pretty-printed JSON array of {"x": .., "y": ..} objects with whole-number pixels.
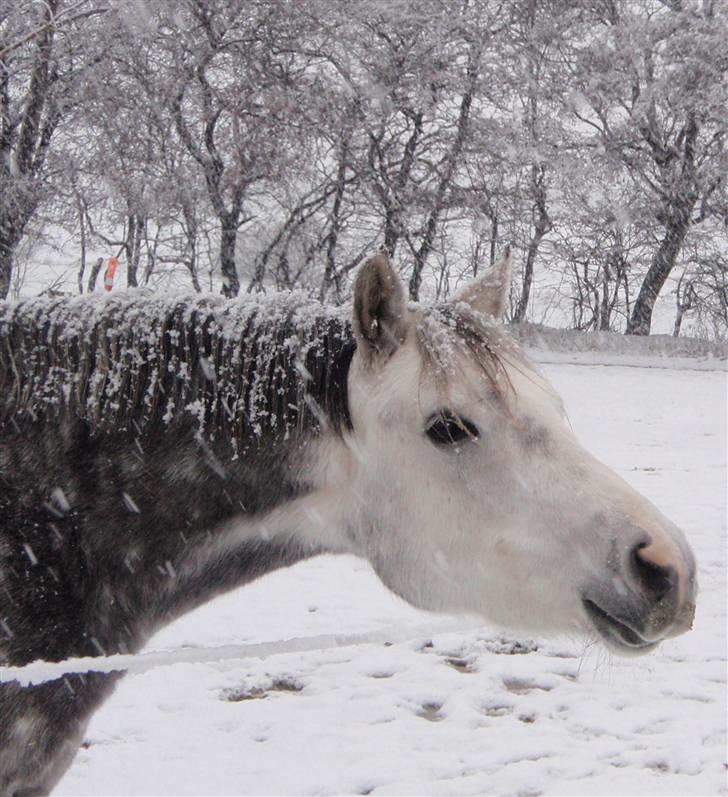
[{"x": 111, "y": 267}]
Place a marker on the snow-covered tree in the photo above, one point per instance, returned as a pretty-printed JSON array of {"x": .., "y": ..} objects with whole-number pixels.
[
  {"x": 46, "y": 55},
  {"x": 649, "y": 82}
]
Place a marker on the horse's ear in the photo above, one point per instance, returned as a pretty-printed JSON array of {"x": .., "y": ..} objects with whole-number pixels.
[
  {"x": 380, "y": 322},
  {"x": 488, "y": 294}
]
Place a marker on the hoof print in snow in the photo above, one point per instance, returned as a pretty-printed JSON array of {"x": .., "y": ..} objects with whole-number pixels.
[
  {"x": 497, "y": 710},
  {"x": 461, "y": 665},
  {"x": 243, "y": 693},
  {"x": 560, "y": 654},
  {"x": 527, "y": 718},
  {"x": 509, "y": 647},
  {"x": 431, "y": 712},
  {"x": 379, "y": 674},
  {"x": 239, "y": 694},
  {"x": 285, "y": 684},
  {"x": 520, "y": 686}
]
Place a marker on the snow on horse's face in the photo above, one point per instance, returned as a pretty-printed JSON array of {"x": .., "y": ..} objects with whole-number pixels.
[{"x": 473, "y": 493}]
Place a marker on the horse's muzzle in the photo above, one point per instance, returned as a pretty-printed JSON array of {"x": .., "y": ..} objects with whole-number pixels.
[{"x": 653, "y": 598}]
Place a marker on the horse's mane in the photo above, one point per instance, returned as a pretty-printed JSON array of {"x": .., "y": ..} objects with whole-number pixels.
[{"x": 244, "y": 368}]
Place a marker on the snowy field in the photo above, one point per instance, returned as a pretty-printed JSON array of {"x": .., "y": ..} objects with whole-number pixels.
[{"x": 469, "y": 712}]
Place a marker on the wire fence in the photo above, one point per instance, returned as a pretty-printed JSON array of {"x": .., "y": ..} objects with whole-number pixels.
[{"x": 39, "y": 672}]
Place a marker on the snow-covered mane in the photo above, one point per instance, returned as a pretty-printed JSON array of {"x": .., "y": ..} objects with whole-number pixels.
[{"x": 242, "y": 369}]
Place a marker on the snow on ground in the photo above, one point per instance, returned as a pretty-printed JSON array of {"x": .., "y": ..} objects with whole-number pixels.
[{"x": 473, "y": 712}]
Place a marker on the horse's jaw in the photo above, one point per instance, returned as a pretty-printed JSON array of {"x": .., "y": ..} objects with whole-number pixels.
[
  {"x": 621, "y": 637},
  {"x": 617, "y": 635}
]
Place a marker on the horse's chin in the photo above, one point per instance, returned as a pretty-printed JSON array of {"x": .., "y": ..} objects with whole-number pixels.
[{"x": 616, "y": 635}]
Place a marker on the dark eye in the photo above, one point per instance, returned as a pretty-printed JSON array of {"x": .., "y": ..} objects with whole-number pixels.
[{"x": 446, "y": 428}]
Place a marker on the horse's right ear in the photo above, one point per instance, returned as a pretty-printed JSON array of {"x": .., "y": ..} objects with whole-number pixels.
[
  {"x": 489, "y": 294},
  {"x": 380, "y": 324}
]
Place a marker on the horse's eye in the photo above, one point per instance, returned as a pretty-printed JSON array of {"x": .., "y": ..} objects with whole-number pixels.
[{"x": 444, "y": 428}]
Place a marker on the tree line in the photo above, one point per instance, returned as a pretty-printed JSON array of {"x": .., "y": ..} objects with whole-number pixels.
[{"x": 243, "y": 144}]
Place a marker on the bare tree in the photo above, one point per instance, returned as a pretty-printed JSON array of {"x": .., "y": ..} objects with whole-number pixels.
[
  {"x": 229, "y": 118},
  {"x": 39, "y": 71},
  {"x": 657, "y": 107}
]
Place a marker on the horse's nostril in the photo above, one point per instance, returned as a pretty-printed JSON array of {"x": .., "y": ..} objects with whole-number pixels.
[{"x": 657, "y": 579}]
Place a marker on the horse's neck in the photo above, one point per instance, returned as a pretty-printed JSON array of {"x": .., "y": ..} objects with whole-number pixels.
[
  {"x": 204, "y": 575},
  {"x": 136, "y": 535},
  {"x": 215, "y": 523}
]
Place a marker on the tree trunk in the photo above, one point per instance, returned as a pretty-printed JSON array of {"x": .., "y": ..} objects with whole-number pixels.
[
  {"x": 677, "y": 212},
  {"x": 93, "y": 276},
  {"x": 392, "y": 196},
  {"x": 191, "y": 232},
  {"x": 228, "y": 240},
  {"x": 133, "y": 248},
  {"x": 604, "y": 310},
  {"x": 678, "y": 321},
  {"x": 12, "y": 227},
  {"x": 522, "y": 306},
  {"x": 6, "y": 268},
  {"x": 450, "y": 164},
  {"x": 493, "y": 239},
  {"x": 35, "y": 121},
  {"x": 640, "y": 321},
  {"x": 192, "y": 268},
  {"x": 542, "y": 227},
  {"x": 82, "y": 264},
  {"x": 331, "y": 275}
]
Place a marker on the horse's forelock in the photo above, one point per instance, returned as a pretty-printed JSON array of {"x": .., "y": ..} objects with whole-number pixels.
[{"x": 447, "y": 332}]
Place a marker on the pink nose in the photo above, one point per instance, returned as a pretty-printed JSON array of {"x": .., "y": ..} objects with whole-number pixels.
[
  {"x": 666, "y": 577},
  {"x": 657, "y": 578}
]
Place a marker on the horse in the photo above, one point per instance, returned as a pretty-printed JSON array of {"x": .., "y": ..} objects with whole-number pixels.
[{"x": 156, "y": 451}]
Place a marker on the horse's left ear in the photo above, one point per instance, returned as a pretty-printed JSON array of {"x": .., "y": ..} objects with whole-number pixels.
[
  {"x": 380, "y": 322},
  {"x": 488, "y": 294}
]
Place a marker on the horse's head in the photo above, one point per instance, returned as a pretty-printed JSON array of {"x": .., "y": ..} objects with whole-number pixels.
[{"x": 474, "y": 493}]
